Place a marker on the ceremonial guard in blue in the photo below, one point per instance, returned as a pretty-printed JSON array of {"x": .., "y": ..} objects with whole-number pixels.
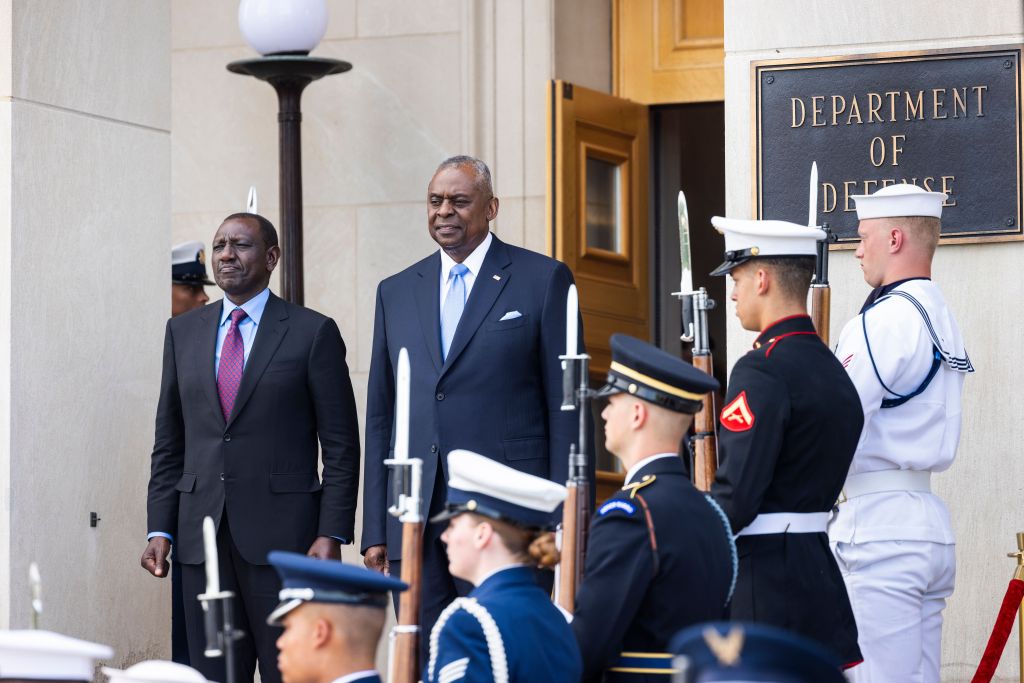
[
  {"x": 892, "y": 536},
  {"x": 506, "y": 629},
  {"x": 333, "y": 616},
  {"x": 787, "y": 434},
  {"x": 660, "y": 554},
  {"x": 733, "y": 652}
]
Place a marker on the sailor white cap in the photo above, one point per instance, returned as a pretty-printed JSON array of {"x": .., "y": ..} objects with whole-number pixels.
[
  {"x": 45, "y": 655},
  {"x": 486, "y": 487},
  {"x": 746, "y": 239},
  {"x": 188, "y": 264},
  {"x": 155, "y": 671},
  {"x": 897, "y": 201}
]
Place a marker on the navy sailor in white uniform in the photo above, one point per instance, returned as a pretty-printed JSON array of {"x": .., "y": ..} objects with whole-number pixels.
[
  {"x": 904, "y": 352},
  {"x": 506, "y": 629}
]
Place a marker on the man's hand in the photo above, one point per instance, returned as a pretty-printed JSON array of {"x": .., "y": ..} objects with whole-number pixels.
[
  {"x": 154, "y": 557},
  {"x": 376, "y": 558},
  {"x": 325, "y": 548}
]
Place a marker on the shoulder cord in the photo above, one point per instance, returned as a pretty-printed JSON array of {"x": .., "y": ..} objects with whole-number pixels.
[
  {"x": 495, "y": 645},
  {"x": 900, "y": 399},
  {"x": 651, "y": 537},
  {"x": 733, "y": 555}
]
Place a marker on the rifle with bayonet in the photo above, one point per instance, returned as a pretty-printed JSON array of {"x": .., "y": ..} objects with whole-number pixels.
[
  {"x": 576, "y": 396},
  {"x": 694, "y": 305},
  {"x": 821, "y": 292},
  {"x": 407, "y": 477}
]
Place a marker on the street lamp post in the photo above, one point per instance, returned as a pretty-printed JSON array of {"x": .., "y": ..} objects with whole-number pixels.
[{"x": 288, "y": 30}]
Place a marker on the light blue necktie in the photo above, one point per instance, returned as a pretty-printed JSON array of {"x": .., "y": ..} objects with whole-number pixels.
[{"x": 454, "y": 304}]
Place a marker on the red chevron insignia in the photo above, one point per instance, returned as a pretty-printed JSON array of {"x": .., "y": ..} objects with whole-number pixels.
[{"x": 737, "y": 416}]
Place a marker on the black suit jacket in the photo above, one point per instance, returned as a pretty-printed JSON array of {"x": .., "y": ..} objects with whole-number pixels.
[
  {"x": 261, "y": 464},
  {"x": 499, "y": 390}
]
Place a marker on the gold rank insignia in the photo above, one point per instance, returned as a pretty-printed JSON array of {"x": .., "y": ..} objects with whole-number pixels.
[{"x": 726, "y": 648}]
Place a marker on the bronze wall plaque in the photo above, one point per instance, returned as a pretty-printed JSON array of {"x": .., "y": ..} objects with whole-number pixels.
[{"x": 947, "y": 120}]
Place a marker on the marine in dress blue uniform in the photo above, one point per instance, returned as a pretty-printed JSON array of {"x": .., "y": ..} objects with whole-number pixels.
[
  {"x": 506, "y": 629},
  {"x": 660, "y": 554},
  {"x": 731, "y": 652},
  {"x": 333, "y": 616},
  {"x": 787, "y": 434}
]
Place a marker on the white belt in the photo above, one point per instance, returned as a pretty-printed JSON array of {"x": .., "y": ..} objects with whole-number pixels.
[
  {"x": 787, "y": 523},
  {"x": 886, "y": 480}
]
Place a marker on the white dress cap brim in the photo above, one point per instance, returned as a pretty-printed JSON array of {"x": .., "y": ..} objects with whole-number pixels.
[
  {"x": 33, "y": 655},
  {"x": 155, "y": 671},
  {"x": 470, "y": 471},
  {"x": 898, "y": 201},
  {"x": 768, "y": 238}
]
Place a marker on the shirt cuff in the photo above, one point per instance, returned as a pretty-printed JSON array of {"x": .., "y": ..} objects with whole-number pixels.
[
  {"x": 160, "y": 534},
  {"x": 341, "y": 540}
]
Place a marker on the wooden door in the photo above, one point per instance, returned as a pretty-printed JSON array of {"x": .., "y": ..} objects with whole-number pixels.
[{"x": 598, "y": 225}]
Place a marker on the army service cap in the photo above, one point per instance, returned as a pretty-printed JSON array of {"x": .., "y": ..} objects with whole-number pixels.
[
  {"x": 307, "y": 579},
  {"x": 899, "y": 201},
  {"x": 485, "y": 487},
  {"x": 155, "y": 671},
  {"x": 645, "y": 371},
  {"x": 745, "y": 240},
  {"x": 45, "y": 655},
  {"x": 188, "y": 264},
  {"x": 735, "y": 652}
]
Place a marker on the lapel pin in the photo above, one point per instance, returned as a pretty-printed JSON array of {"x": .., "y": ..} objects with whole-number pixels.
[{"x": 496, "y": 277}]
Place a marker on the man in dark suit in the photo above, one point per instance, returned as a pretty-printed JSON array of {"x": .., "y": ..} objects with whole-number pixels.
[
  {"x": 484, "y": 323},
  {"x": 253, "y": 387}
]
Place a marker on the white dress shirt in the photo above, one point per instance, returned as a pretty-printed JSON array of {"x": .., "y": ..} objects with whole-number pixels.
[
  {"x": 632, "y": 472},
  {"x": 356, "y": 676},
  {"x": 474, "y": 262}
]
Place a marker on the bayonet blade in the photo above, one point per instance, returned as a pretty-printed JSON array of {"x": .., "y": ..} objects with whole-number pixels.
[
  {"x": 812, "y": 204},
  {"x": 685, "y": 264},
  {"x": 36, "y": 585},
  {"x": 252, "y": 203}
]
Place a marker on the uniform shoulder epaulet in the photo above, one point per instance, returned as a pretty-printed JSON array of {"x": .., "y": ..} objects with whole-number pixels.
[{"x": 647, "y": 480}]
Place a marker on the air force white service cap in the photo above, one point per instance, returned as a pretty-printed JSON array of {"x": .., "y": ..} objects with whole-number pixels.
[
  {"x": 485, "y": 487},
  {"x": 746, "y": 239},
  {"x": 155, "y": 671},
  {"x": 898, "y": 201},
  {"x": 45, "y": 655}
]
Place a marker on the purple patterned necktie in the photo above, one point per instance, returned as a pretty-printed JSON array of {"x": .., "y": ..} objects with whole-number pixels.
[{"x": 232, "y": 361}]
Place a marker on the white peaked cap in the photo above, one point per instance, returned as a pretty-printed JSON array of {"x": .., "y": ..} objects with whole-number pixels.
[
  {"x": 155, "y": 671},
  {"x": 47, "y": 655},
  {"x": 746, "y": 239},
  {"x": 479, "y": 484},
  {"x": 186, "y": 252},
  {"x": 898, "y": 201}
]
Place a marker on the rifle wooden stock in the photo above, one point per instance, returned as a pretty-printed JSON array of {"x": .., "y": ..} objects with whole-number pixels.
[
  {"x": 405, "y": 664},
  {"x": 575, "y": 520},
  {"x": 705, "y": 448},
  {"x": 821, "y": 303}
]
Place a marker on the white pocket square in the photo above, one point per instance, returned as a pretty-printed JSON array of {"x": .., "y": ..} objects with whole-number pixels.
[{"x": 511, "y": 315}]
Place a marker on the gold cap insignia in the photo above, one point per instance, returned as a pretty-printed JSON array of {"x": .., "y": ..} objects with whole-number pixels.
[
  {"x": 471, "y": 505},
  {"x": 726, "y": 648},
  {"x": 201, "y": 256}
]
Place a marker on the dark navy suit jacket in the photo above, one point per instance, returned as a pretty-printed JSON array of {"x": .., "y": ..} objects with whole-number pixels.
[
  {"x": 499, "y": 391},
  {"x": 537, "y": 642}
]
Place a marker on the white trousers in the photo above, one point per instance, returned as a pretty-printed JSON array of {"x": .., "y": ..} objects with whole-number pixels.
[{"x": 898, "y": 590}]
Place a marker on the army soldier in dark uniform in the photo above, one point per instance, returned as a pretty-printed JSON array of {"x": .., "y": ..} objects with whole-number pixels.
[
  {"x": 787, "y": 434},
  {"x": 660, "y": 554}
]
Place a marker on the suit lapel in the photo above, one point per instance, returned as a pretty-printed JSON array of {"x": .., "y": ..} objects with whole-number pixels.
[
  {"x": 428, "y": 305},
  {"x": 272, "y": 328},
  {"x": 206, "y": 350},
  {"x": 488, "y": 285}
]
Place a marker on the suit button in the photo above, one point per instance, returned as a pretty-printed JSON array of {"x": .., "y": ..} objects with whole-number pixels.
[
  {"x": 433, "y": 448},
  {"x": 222, "y": 476},
  {"x": 440, "y": 396},
  {"x": 227, "y": 437}
]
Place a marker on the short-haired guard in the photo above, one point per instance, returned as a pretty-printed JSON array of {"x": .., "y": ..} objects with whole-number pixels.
[
  {"x": 646, "y": 574},
  {"x": 188, "y": 277},
  {"x": 506, "y": 629},
  {"x": 905, "y": 354},
  {"x": 787, "y": 433}
]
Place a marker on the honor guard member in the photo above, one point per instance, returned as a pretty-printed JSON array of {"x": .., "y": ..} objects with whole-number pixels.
[
  {"x": 188, "y": 277},
  {"x": 734, "y": 652},
  {"x": 506, "y": 630},
  {"x": 48, "y": 656},
  {"x": 660, "y": 554},
  {"x": 333, "y": 616},
  {"x": 786, "y": 438},
  {"x": 905, "y": 354},
  {"x": 155, "y": 671}
]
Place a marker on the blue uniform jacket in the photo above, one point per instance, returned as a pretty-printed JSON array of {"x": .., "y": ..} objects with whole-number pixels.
[{"x": 506, "y": 629}]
